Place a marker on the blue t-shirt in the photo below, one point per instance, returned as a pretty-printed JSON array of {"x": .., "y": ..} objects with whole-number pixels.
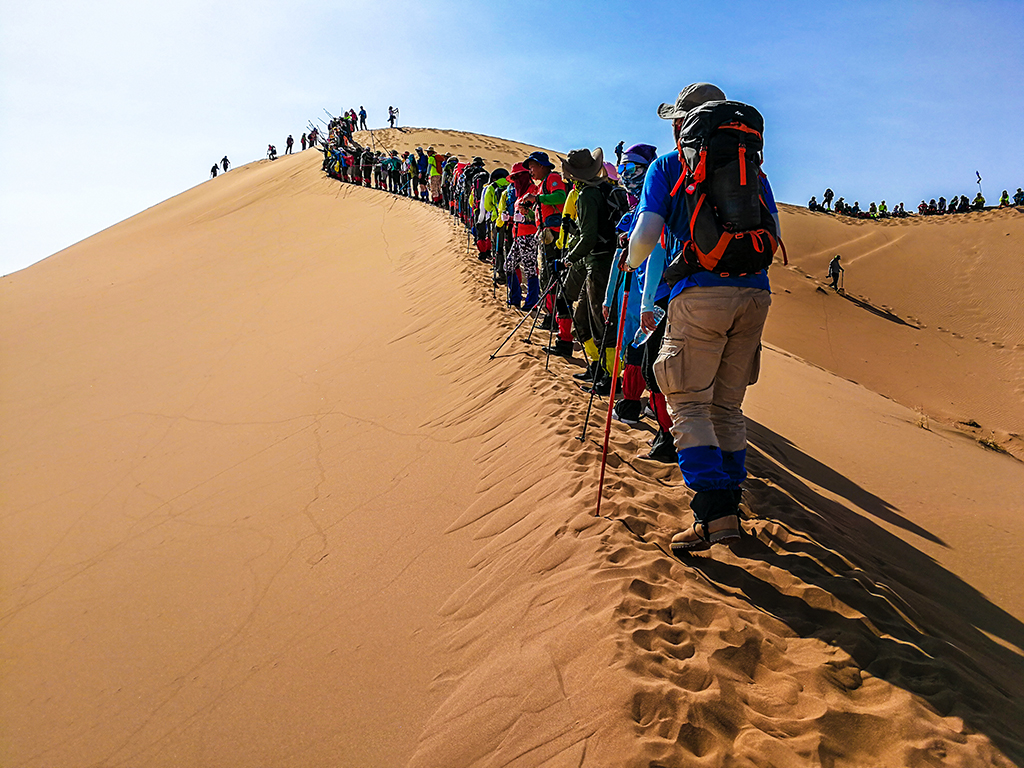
[{"x": 657, "y": 198}]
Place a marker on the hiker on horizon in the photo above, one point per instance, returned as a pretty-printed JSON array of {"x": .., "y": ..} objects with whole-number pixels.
[
  {"x": 1018, "y": 197},
  {"x": 979, "y": 202},
  {"x": 392, "y": 116},
  {"x": 715, "y": 323},
  {"x": 826, "y": 199},
  {"x": 213, "y": 171},
  {"x": 225, "y": 163},
  {"x": 288, "y": 144},
  {"x": 302, "y": 142},
  {"x": 362, "y": 118},
  {"x": 618, "y": 153},
  {"x": 812, "y": 204},
  {"x": 1004, "y": 199},
  {"x": 271, "y": 152},
  {"x": 834, "y": 270}
]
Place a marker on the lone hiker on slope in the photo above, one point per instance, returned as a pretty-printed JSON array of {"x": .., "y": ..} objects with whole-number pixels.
[
  {"x": 710, "y": 353},
  {"x": 225, "y": 163},
  {"x": 834, "y": 270}
]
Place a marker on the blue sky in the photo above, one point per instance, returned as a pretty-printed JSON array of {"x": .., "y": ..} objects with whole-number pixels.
[{"x": 110, "y": 107}]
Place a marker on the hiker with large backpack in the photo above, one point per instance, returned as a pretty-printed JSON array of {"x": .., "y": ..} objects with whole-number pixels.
[
  {"x": 590, "y": 249},
  {"x": 720, "y": 224}
]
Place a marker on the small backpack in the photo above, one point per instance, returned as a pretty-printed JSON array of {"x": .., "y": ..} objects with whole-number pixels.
[
  {"x": 732, "y": 232},
  {"x": 615, "y": 206}
]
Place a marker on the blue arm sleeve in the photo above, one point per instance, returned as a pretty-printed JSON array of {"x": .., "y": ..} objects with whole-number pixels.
[
  {"x": 652, "y": 278},
  {"x": 613, "y": 279}
]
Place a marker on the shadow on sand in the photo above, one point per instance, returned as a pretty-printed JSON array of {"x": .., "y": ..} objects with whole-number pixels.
[{"x": 927, "y": 630}]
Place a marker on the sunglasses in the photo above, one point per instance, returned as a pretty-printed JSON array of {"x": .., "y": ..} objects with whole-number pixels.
[{"x": 627, "y": 169}]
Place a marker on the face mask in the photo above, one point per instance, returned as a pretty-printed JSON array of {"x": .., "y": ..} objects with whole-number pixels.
[{"x": 631, "y": 176}]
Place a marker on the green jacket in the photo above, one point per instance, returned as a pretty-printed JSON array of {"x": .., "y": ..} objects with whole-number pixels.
[{"x": 590, "y": 207}]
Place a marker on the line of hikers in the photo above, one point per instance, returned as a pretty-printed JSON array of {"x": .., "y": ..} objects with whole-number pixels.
[
  {"x": 696, "y": 228},
  {"x": 956, "y": 204}
]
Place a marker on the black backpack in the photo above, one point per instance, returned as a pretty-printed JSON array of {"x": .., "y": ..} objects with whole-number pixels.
[
  {"x": 615, "y": 205},
  {"x": 732, "y": 232}
]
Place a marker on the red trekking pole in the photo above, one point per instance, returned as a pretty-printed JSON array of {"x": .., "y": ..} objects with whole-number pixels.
[{"x": 611, "y": 395}]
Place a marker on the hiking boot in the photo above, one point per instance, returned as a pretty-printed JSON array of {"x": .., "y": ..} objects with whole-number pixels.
[
  {"x": 663, "y": 449},
  {"x": 603, "y": 387},
  {"x": 627, "y": 411},
  {"x": 560, "y": 348},
  {"x": 548, "y": 323},
  {"x": 587, "y": 375}
]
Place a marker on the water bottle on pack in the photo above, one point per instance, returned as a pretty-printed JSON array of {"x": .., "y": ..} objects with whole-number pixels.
[{"x": 642, "y": 336}]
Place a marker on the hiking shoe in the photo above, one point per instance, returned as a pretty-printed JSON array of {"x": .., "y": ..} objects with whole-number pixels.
[
  {"x": 560, "y": 348},
  {"x": 700, "y": 536},
  {"x": 663, "y": 449},
  {"x": 648, "y": 412},
  {"x": 627, "y": 411},
  {"x": 548, "y": 323},
  {"x": 603, "y": 388},
  {"x": 588, "y": 374}
]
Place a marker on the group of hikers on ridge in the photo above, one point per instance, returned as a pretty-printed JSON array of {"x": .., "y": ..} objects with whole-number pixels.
[
  {"x": 568, "y": 238},
  {"x": 956, "y": 204},
  {"x": 342, "y": 126}
]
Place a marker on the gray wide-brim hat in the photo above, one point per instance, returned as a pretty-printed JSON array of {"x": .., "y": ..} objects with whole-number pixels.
[
  {"x": 582, "y": 165},
  {"x": 691, "y": 96}
]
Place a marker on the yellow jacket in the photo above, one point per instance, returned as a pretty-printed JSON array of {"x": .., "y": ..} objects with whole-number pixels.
[{"x": 568, "y": 212}]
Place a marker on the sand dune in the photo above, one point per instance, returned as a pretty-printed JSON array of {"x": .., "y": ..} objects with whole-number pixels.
[
  {"x": 931, "y": 303},
  {"x": 268, "y": 502}
]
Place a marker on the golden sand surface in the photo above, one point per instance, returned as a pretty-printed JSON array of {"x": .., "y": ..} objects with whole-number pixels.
[{"x": 267, "y": 501}]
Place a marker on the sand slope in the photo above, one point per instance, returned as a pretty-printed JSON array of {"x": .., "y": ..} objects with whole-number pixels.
[
  {"x": 931, "y": 303},
  {"x": 267, "y": 501}
]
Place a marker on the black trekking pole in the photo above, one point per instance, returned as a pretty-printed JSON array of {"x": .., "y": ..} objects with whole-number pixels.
[
  {"x": 600, "y": 357},
  {"x": 554, "y": 305},
  {"x": 554, "y": 288},
  {"x": 536, "y": 317},
  {"x": 526, "y": 315}
]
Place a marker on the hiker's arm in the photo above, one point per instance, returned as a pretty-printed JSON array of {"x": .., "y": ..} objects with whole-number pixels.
[
  {"x": 613, "y": 277},
  {"x": 555, "y": 197},
  {"x": 645, "y": 236}
]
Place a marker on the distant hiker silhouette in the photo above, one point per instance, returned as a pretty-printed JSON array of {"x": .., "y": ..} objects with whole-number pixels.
[
  {"x": 213, "y": 171},
  {"x": 288, "y": 144},
  {"x": 835, "y": 269},
  {"x": 226, "y": 163}
]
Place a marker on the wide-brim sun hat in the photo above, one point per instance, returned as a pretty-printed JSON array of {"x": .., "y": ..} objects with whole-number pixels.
[
  {"x": 541, "y": 158},
  {"x": 583, "y": 165},
  {"x": 691, "y": 96}
]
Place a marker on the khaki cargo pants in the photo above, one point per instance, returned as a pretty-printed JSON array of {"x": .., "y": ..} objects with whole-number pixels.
[{"x": 710, "y": 354}]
